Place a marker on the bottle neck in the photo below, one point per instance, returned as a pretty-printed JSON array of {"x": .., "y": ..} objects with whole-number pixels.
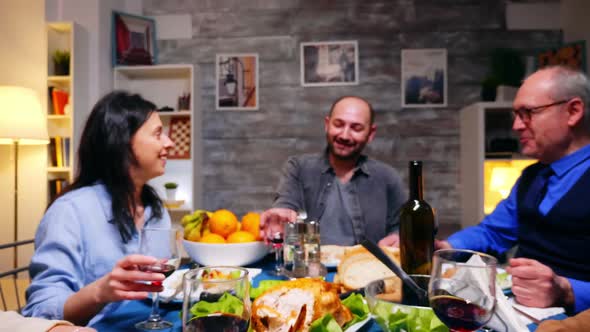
[{"x": 416, "y": 181}]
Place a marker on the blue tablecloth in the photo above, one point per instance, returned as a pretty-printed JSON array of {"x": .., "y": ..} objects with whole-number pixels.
[{"x": 133, "y": 312}]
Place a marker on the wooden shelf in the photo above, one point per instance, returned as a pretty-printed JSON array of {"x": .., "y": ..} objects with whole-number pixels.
[
  {"x": 58, "y": 117},
  {"x": 53, "y": 169},
  {"x": 154, "y": 72},
  {"x": 174, "y": 114},
  {"x": 61, "y": 79}
]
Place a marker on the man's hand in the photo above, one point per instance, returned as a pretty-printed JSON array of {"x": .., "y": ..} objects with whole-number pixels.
[
  {"x": 127, "y": 282},
  {"x": 391, "y": 240},
  {"x": 272, "y": 220},
  {"x": 536, "y": 285},
  {"x": 442, "y": 244}
]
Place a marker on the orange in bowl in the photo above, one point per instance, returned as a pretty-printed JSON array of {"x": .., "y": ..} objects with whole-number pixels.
[
  {"x": 251, "y": 223},
  {"x": 223, "y": 222},
  {"x": 241, "y": 237},
  {"x": 212, "y": 238}
]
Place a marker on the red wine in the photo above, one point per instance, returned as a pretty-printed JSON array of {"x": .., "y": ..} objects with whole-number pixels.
[
  {"x": 219, "y": 323},
  {"x": 166, "y": 269},
  {"x": 458, "y": 314},
  {"x": 417, "y": 227}
]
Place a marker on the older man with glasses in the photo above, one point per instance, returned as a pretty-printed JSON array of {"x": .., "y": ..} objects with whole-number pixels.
[{"x": 548, "y": 211}]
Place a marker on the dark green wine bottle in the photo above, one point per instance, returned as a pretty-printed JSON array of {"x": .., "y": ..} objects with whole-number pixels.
[{"x": 417, "y": 227}]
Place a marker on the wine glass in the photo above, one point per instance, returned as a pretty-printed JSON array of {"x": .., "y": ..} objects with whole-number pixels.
[
  {"x": 462, "y": 288},
  {"x": 216, "y": 298},
  {"x": 162, "y": 243}
]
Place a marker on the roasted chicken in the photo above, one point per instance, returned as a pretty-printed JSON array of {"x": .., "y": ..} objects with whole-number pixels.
[{"x": 294, "y": 305}]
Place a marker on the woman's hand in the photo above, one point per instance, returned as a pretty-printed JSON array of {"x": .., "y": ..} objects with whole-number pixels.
[
  {"x": 67, "y": 328},
  {"x": 124, "y": 282},
  {"x": 127, "y": 282}
]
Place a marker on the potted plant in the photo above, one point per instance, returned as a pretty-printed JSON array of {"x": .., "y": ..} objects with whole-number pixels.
[
  {"x": 171, "y": 190},
  {"x": 61, "y": 62}
]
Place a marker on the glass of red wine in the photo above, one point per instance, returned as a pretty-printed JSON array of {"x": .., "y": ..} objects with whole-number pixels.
[
  {"x": 164, "y": 244},
  {"x": 462, "y": 288},
  {"x": 216, "y": 298}
]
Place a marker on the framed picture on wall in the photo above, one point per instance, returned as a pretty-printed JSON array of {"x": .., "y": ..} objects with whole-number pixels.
[
  {"x": 329, "y": 63},
  {"x": 133, "y": 40},
  {"x": 571, "y": 54},
  {"x": 236, "y": 82},
  {"x": 424, "y": 77}
]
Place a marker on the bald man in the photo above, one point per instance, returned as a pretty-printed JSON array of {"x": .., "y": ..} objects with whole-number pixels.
[{"x": 352, "y": 196}]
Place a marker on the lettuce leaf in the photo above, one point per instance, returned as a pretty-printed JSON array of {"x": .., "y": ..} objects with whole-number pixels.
[
  {"x": 396, "y": 318},
  {"x": 357, "y": 305},
  {"x": 326, "y": 323},
  {"x": 263, "y": 286},
  {"x": 227, "y": 303}
]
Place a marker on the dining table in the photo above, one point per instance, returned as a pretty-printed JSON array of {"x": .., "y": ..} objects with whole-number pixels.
[{"x": 131, "y": 312}]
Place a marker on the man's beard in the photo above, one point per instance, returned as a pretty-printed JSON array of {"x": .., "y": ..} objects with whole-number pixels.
[{"x": 352, "y": 155}]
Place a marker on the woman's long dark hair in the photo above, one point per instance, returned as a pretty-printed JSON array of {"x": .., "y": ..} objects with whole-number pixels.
[{"x": 105, "y": 154}]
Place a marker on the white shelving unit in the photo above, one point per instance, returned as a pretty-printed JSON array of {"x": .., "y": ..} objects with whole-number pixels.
[
  {"x": 66, "y": 36},
  {"x": 481, "y": 123},
  {"x": 163, "y": 85}
]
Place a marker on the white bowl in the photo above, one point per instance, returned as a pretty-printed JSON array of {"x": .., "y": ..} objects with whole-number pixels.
[{"x": 232, "y": 254}]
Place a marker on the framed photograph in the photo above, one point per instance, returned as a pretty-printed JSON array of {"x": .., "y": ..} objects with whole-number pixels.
[
  {"x": 329, "y": 63},
  {"x": 133, "y": 40},
  {"x": 571, "y": 54},
  {"x": 237, "y": 82},
  {"x": 424, "y": 77}
]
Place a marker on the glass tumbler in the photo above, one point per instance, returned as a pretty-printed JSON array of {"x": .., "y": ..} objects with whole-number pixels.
[{"x": 216, "y": 298}]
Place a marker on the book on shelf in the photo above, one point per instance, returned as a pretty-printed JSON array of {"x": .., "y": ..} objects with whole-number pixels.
[
  {"x": 60, "y": 100},
  {"x": 56, "y": 186},
  {"x": 52, "y": 153},
  {"x": 59, "y": 151},
  {"x": 50, "y": 109}
]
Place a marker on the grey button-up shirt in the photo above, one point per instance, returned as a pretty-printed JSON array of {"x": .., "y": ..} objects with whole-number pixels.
[{"x": 307, "y": 179}]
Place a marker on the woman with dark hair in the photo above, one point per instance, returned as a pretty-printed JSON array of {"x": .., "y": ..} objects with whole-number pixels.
[{"x": 85, "y": 244}]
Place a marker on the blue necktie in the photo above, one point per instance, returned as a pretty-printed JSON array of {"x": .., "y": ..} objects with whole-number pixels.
[{"x": 538, "y": 189}]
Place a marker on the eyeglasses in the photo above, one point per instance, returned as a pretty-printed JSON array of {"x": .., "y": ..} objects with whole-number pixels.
[{"x": 525, "y": 113}]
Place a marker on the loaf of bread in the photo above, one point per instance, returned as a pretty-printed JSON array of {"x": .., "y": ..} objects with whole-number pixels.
[{"x": 358, "y": 267}]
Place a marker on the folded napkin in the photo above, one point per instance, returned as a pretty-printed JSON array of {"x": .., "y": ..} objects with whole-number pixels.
[
  {"x": 175, "y": 280},
  {"x": 535, "y": 315},
  {"x": 504, "y": 319}
]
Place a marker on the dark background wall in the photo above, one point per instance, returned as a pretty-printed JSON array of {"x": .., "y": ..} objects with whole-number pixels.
[{"x": 243, "y": 151}]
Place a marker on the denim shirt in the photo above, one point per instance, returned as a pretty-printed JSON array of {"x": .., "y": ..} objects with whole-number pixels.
[
  {"x": 306, "y": 180},
  {"x": 77, "y": 243}
]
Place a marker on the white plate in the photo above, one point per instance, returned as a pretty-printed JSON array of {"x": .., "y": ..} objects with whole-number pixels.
[
  {"x": 357, "y": 326},
  {"x": 331, "y": 255},
  {"x": 332, "y": 264},
  {"x": 175, "y": 279}
]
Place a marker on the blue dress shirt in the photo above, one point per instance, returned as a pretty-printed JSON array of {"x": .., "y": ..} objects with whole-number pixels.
[
  {"x": 76, "y": 244},
  {"x": 499, "y": 230}
]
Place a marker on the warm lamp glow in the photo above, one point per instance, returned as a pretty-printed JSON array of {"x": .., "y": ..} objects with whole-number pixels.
[
  {"x": 503, "y": 178},
  {"x": 500, "y": 175},
  {"x": 21, "y": 117}
]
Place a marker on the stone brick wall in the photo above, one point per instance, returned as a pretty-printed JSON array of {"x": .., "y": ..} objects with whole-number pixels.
[{"x": 244, "y": 151}]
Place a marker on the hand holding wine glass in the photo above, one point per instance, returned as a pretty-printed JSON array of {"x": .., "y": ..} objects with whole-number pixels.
[
  {"x": 462, "y": 289},
  {"x": 163, "y": 244}
]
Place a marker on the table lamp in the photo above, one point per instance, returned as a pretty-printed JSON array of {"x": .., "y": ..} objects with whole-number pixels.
[
  {"x": 503, "y": 179},
  {"x": 22, "y": 122}
]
